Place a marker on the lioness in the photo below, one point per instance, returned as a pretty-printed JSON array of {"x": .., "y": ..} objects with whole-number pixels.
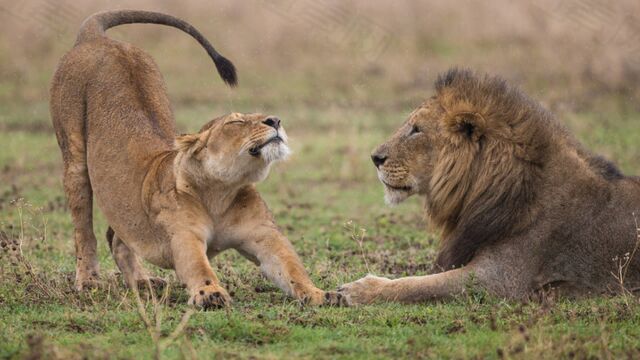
[
  {"x": 523, "y": 207},
  {"x": 175, "y": 202}
]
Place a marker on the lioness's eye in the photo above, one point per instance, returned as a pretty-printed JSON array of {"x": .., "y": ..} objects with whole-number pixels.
[{"x": 414, "y": 130}]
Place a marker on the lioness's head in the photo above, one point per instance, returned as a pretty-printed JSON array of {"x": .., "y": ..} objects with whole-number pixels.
[{"x": 233, "y": 149}]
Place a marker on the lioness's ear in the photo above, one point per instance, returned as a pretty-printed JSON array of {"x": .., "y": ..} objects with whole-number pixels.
[
  {"x": 189, "y": 143},
  {"x": 468, "y": 124}
]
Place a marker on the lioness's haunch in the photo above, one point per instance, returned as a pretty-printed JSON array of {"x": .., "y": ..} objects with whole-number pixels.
[
  {"x": 522, "y": 206},
  {"x": 175, "y": 202}
]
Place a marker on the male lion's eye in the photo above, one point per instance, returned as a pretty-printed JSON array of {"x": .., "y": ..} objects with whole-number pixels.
[{"x": 415, "y": 130}]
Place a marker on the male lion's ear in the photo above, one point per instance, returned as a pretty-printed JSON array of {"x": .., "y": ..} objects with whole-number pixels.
[
  {"x": 468, "y": 124},
  {"x": 189, "y": 143}
]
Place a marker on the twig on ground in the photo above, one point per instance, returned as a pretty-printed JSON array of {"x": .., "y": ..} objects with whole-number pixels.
[
  {"x": 155, "y": 329},
  {"x": 624, "y": 262},
  {"x": 358, "y": 234}
]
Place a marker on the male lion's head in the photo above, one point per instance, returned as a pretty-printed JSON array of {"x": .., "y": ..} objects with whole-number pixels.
[
  {"x": 475, "y": 151},
  {"x": 233, "y": 149},
  {"x": 406, "y": 161}
]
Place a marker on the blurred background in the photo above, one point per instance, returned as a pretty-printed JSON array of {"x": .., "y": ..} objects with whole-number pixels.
[{"x": 569, "y": 54}]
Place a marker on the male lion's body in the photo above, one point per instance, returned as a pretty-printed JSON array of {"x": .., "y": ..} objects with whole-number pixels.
[
  {"x": 523, "y": 206},
  {"x": 174, "y": 202}
]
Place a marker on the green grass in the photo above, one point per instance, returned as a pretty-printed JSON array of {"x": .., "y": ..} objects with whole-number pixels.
[{"x": 321, "y": 198}]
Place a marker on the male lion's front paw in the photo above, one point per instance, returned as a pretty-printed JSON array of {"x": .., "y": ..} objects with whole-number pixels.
[
  {"x": 364, "y": 291},
  {"x": 210, "y": 297},
  {"x": 334, "y": 298}
]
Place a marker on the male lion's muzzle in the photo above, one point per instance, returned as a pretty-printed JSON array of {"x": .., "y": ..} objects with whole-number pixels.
[{"x": 379, "y": 156}]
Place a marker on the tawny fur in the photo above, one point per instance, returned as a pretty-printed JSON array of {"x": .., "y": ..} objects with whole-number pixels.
[
  {"x": 523, "y": 207},
  {"x": 175, "y": 202}
]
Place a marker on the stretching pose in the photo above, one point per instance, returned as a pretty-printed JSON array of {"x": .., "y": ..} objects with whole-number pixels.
[{"x": 175, "y": 202}]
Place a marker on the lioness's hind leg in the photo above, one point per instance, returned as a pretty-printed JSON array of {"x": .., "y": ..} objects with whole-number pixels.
[
  {"x": 68, "y": 116},
  {"x": 79, "y": 197},
  {"x": 129, "y": 264}
]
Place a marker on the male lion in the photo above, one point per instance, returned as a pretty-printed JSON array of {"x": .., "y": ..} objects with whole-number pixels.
[
  {"x": 175, "y": 202},
  {"x": 523, "y": 207}
]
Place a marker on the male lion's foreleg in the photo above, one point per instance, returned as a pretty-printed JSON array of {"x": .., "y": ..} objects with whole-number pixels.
[
  {"x": 408, "y": 289},
  {"x": 193, "y": 269},
  {"x": 129, "y": 264},
  {"x": 279, "y": 263},
  {"x": 79, "y": 196}
]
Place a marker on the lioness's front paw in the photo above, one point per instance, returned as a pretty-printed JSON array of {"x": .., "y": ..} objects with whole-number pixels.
[
  {"x": 320, "y": 297},
  {"x": 310, "y": 296},
  {"x": 364, "y": 291},
  {"x": 210, "y": 297}
]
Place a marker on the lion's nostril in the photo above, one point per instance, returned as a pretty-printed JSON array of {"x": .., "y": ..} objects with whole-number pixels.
[
  {"x": 378, "y": 160},
  {"x": 272, "y": 121}
]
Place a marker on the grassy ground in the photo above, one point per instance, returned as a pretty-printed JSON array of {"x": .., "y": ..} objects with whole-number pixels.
[
  {"x": 326, "y": 199},
  {"x": 322, "y": 198}
]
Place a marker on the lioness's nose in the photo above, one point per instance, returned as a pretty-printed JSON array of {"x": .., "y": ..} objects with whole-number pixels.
[
  {"x": 378, "y": 159},
  {"x": 272, "y": 121}
]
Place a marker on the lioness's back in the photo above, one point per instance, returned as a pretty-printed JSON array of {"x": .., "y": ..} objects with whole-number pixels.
[
  {"x": 119, "y": 81},
  {"x": 125, "y": 117}
]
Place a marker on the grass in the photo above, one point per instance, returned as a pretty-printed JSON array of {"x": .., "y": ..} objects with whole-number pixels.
[
  {"x": 336, "y": 108},
  {"x": 321, "y": 198}
]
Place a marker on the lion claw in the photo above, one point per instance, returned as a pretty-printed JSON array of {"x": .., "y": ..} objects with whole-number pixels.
[
  {"x": 210, "y": 298},
  {"x": 333, "y": 298}
]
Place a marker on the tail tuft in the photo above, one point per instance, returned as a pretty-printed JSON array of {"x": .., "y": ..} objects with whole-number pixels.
[{"x": 227, "y": 71}]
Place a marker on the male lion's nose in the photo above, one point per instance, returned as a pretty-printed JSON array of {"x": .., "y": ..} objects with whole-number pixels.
[
  {"x": 378, "y": 159},
  {"x": 272, "y": 121}
]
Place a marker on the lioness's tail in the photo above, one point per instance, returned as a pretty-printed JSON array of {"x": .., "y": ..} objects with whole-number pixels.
[{"x": 95, "y": 26}]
